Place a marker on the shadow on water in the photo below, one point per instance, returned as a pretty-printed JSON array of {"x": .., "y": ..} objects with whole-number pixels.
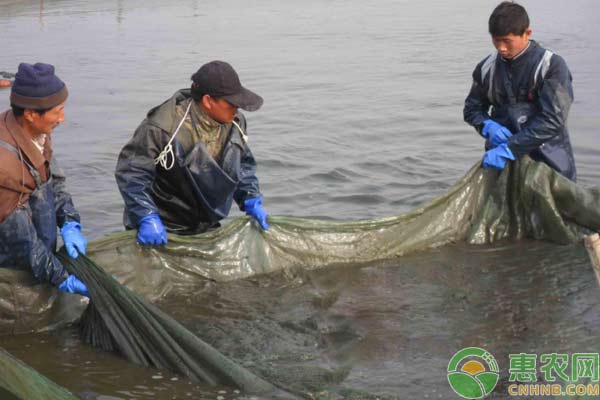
[{"x": 385, "y": 330}]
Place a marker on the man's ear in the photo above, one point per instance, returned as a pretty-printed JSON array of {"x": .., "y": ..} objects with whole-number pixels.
[
  {"x": 28, "y": 115},
  {"x": 527, "y": 32},
  {"x": 206, "y": 103}
]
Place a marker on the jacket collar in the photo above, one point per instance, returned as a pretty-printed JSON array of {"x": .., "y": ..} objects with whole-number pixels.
[
  {"x": 24, "y": 143},
  {"x": 205, "y": 120},
  {"x": 523, "y": 55}
]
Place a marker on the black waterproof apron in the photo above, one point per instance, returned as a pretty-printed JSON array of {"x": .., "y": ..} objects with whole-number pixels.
[{"x": 211, "y": 183}]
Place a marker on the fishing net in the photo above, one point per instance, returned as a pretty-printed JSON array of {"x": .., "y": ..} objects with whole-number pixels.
[
  {"x": 526, "y": 200},
  {"x": 118, "y": 319},
  {"x": 28, "y": 306},
  {"x": 20, "y": 382}
]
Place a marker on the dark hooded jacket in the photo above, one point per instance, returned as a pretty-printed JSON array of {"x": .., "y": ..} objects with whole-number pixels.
[
  {"x": 531, "y": 95},
  {"x": 197, "y": 191}
]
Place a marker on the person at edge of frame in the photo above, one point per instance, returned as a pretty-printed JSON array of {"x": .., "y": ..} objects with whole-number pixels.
[
  {"x": 529, "y": 90},
  {"x": 34, "y": 201}
]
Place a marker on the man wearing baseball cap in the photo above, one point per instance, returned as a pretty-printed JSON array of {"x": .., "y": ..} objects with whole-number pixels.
[
  {"x": 33, "y": 197},
  {"x": 189, "y": 160}
]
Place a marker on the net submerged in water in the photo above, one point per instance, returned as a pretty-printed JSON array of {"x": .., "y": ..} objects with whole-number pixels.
[
  {"x": 527, "y": 199},
  {"x": 118, "y": 319},
  {"x": 18, "y": 381}
]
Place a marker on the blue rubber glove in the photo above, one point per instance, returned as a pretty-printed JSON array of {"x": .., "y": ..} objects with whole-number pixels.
[
  {"x": 497, "y": 133},
  {"x": 74, "y": 241},
  {"x": 254, "y": 208},
  {"x": 151, "y": 231},
  {"x": 74, "y": 285},
  {"x": 496, "y": 157}
]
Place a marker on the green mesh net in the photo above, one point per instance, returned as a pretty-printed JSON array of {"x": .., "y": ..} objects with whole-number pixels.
[
  {"x": 526, "y": 200},
  {"x": 20, "y": 382}
]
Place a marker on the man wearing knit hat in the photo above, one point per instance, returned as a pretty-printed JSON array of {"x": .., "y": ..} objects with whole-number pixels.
[
  {"x": 33, "y": 197},
  {"x": 189, "y": 160}
]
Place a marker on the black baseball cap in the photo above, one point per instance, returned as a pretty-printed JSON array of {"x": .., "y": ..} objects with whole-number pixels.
[{"x": 218, "y": 79}]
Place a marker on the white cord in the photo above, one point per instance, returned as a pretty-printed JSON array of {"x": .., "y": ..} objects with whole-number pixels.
[
  {"x": 244, "y": 136},
  {"x": 163, "y": 157}
]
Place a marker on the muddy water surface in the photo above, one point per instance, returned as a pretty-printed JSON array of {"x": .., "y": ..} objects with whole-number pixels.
[{"x": 384, "y": 330}]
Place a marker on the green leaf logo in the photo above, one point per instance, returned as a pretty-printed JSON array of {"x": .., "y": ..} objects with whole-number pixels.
[{"x": 473, "y": 373}]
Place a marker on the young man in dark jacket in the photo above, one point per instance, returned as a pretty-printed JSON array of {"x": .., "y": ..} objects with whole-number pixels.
[
  {"x": 520, "y": 97},
  {"x": 33, "y": 197},
  {"x": 189, "y": 160}
]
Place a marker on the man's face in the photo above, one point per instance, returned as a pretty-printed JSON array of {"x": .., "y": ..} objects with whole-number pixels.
[
  {"x": 220, "y": 110},
  {"x": 46, "y": 122},
  {"x": 511, "y": 45}
]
